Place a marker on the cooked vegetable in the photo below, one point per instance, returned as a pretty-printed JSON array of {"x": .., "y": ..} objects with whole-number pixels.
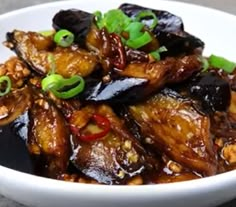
[
  {"x": 169, "y": 31},
  {"x": 55, "y": 83},
  {"x": 115, "y": 21},
  {"x": 102, "y": 122},
  {"x": 211, "y": 92},
  {"x": 175, "y": 128},
  {"x": 222, "y": 63},
  {"x": 48, "y": 139},
  {"x": 156, "y": 54},
  {"x": 64, "y": 38},
  {"x": 123, "y": 89},
  {"x": 123, "y": 97},
  {"x": 146, "y": 14},
  {"x": 76, "y": 21},
  {"x": 113, "y": 158},
  {"x": 5, "y": 85},
  {"x": 34, "y": 49}
]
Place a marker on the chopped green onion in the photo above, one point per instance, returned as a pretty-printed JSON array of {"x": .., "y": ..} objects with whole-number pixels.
[
  {"x": 222, "y": 63},
  {"x": 205, "y": 64},
  {"x": 114, "y": 20},
  {"x": 51, "y": 61},
  {"x": 134, "y": 30},
  {"x": 64, "y": 38},
  {"x": 56, "y": 83},
  {"x": 47, "y": 33},
  {"x": 140, "y": 41},
  {"x": 156, "y": 54},
  {"x": 5, "y": 85},
  {"x": 147, "y": 14},
  {"x": 98, "y": 16}
]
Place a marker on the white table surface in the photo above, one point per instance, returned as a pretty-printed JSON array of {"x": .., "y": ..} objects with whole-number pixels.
[{"x": 9, "y": 5}]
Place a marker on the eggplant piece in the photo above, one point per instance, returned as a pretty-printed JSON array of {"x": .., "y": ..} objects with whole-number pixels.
[
  {"x": 169, "y": 31},
  {"x": 14, "y": 104},
  {"x": 228, "y": 77},
  {"x": 13, "y": 151},
  {"x": 212, "y": 92},
  {"x": 35, "y": 49},
  {"x": 76, "y": 21},
  {"x": 118, "y": 90},
  {"x": 139, "y": 80},
  {"x": 169, "y": 71},
  {"x": 113, "y": 158},
  {"x": 48, "y": 139},
  {"x": 171, "y": 125}
]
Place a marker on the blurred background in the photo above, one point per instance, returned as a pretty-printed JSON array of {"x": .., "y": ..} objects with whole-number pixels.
[{"x": 225, "y": 5}]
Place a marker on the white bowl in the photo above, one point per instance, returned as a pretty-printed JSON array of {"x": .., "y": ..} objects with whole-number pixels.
[{"x": 216, "y": 28}]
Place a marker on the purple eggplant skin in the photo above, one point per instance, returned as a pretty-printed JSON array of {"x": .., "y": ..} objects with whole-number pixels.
[
  {"x": 76, "y": 21},
  {"x": 118, "y": 90},
  {"x": 48, "y": 139},
  {"x": 169, "y": 31},
  {"x": 211, "y": 92}
]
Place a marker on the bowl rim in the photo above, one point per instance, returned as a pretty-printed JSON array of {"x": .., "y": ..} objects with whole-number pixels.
[{"x": 124, "y": 190}]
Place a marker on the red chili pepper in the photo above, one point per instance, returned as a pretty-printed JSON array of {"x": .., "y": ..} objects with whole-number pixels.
[
  {"x": 101, "y": 122},
  {"x": 120, "y": 60}
]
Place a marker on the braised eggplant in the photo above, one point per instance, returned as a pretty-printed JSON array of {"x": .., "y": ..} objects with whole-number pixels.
[
  {"x": 169, "y": 31},
  {"x": 210, "y": 90},
  {"x": 125, "y": 105},
  {"x": 230, "y": 78},
  {"x": 35, "y": 49},
  {"x": 172, "y": 126},
  {"x": 110, "y": 159},
  {"x": 14, "y": 104},
  {"x": 139, "y": 80},
  {"x": 48, "y": 139},
  {"x": 77, "y": 21},
  {"x": 118, "y": 90}
]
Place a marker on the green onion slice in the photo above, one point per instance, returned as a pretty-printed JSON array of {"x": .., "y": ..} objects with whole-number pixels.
[
  {"x": 51, "y": 61},
  {"x": 64, "y": 38},
  {"x": 134, "y": 30},
  {"x": 205, "y": 64},
  {"x": 222, "y": 63},
  {"x": 136, "y": 43},
  {"x": 156, "y": 54},
  {"x": 47, "y": 33},
  {"x": 56, "y": 83},
  {"x": 147, "y": 14},
  {"x": 114, "y": 20},
  {"x": 5, "y": 85}
]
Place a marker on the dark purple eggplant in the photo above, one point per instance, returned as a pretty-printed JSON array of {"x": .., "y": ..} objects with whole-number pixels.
[
  {"x": 138, "y": 80},
  {"x": 171, "y": 125},
  {"x": 212, "y": 91},
  {"x": 228, "y": 77},
  {"x": 76, "y": 21},
  {"x": 169, "y": 31},
  {"x": 48, "y": 139},
  {"x": 110, "y": 159},
  {"x": 13, "y": 151},
  {"x": 118, "y": 90}
]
